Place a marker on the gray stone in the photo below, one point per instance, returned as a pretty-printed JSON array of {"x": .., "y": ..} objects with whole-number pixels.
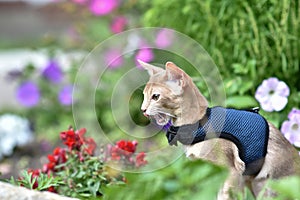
[{"x": 11, "y": 192}]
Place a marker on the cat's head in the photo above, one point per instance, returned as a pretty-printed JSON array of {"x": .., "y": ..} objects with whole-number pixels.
[{"x": 168, "y": 93}]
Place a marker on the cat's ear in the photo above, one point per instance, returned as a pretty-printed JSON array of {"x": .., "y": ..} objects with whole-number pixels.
[
  {"x": 174, "y": 73},
  {"x": 150, "y": 68}
]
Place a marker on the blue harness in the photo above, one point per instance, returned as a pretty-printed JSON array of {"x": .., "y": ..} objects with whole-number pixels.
[{"x": 248, "y": 130}]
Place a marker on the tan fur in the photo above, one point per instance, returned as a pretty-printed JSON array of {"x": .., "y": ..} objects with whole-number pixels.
[{"x": 184, "y": 104}]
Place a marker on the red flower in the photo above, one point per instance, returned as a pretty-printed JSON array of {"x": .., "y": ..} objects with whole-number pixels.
[
  {"x": 127, "y": 148},
  {"x": 52, "y": 189},
  {"x": 48, "y": 167},
  {"x": 115, "y": 155},
  {"x": 72, "y": 139},
  {"x": 75, "y": 140},
  {"x": 80, "y": 134},
  {"x": 90, "y": 146},
  {"x": 140, "y": 160},
  {"x": 35, "y": 173},
  {"x": 58, "y": 157}
]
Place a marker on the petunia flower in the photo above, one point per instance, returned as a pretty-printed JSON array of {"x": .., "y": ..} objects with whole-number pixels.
[
  {"x": 28, "y": 94},
  {"x": 144, "y": 54},
  {"x": 293, "y": 112},
  {"x": 118, "y": 24},
  {"x": 291, "y": 127},
  {"x": 103, "y": 7},
  {"x": 65, "y": 95},
  {"x": 164, "y": 38},
  {"x": 53, "y": 72},
  {"x": 272, "y": 94},
  {"x": 113, "y": 58}
]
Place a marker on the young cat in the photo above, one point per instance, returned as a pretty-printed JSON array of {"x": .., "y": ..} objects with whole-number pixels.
[{"x": 171, "y": 95}]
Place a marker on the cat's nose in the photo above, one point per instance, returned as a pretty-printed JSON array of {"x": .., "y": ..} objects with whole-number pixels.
[{"x": 144, "y": 112}]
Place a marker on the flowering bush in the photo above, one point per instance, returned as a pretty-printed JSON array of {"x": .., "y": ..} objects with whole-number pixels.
[
  {"x": 124, "y": 151},
  {"x": 75, "y": 171},
  {"x": 51, "y": 81},
  {"x": 42, "y": 92}
]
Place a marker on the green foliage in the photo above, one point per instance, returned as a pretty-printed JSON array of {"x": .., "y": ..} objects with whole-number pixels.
[
  {"x": 184, "y": 179},
  {"x": 287, "y": 188},
  {"x": 85, "y": 179},
  {"x": 248, "y": 41},
  {"x": 237, "y": 31},
  {"x": 29, "y": 181}
]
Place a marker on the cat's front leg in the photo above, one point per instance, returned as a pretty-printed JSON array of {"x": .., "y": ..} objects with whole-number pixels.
[
  {"x": 232, "y": 185},
  {"x": 225, "y": 153}
]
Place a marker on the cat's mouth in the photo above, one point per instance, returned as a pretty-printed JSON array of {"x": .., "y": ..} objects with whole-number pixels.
[{"x": 161, "y": 119}]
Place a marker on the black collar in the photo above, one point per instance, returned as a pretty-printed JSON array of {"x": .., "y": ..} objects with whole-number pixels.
[{"x": 183, "y": 133}]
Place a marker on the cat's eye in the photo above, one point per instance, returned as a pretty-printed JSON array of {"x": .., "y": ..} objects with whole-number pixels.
[{"x": 155, "y": 97}]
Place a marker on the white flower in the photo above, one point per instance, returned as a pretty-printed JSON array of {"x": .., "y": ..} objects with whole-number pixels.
[
  {"x": 272, "y": 94},
  {"x": 14, "y": 131}
]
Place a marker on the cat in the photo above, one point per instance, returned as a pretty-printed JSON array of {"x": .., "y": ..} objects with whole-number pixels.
[{"x": 171, "y": 95}]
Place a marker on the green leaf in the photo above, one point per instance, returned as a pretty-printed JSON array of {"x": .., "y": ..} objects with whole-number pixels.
[
  {"x": 171, "y": 185},
  {"x": 239, "y": 69},
  {"x": 241, "y": 102},
  {"x": 245, "y": 87},
  {"x": 80, "y": 174},
  {"x": 287, "y": 187},
  {"x": 13, "y": 181},
  {"x": 93, "y": 187}
]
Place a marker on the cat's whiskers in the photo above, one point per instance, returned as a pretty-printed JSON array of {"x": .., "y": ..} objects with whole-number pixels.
[
  {"x": 168, "y": 114},
  {"x": 159, "y": 112}
]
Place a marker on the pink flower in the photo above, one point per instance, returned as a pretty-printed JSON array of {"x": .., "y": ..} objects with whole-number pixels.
[
  {"x": 272, "y": 94},
  {"x": 103, "y": 7},
  {"x": 144, "y": 54},
  {"x": 80, "y": 1},
  {"x": 65, "y": 95},
  {"x": 164, "y": 38},
  {"x": 113, "y": 58},
  {"x": 140, "y": 159},
  {"x": 118, "y": 24}
]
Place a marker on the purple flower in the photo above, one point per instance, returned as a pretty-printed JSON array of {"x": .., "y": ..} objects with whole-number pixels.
[
  {"x": 65, "y": 95},
  {"x": 291, "y": 127},
  {"x": 28, "y": 94},
  {"x": 118, "y": 24},
  {"x": 103, "y": 7},
  {"x": 293, "y": 112},
  {"x": 113, "y": 58},
  {"x": 53, "y": 72},
  {"x": 144, "y": 54},
  {"x": 164, "y": 38},
  {"x": 272, "y": 94}
]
